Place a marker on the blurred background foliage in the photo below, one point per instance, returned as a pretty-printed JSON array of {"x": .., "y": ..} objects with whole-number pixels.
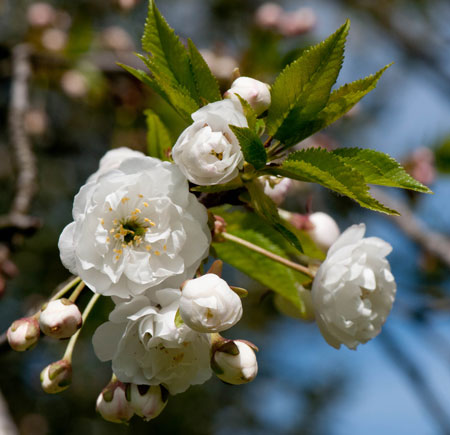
[{"x": 81, "y": 104}]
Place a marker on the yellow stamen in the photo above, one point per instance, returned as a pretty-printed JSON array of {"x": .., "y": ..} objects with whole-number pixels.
[
  {"x": 125, "y": 199},
  {"x": 145, "y": 204},
  {"x": 140, "y": 195},
  {"x": 165, "y": 247},
  {"x": 157, "y": 253},
  {"x": 112, "y": 230},
  {"x": 148, "y": 247}
]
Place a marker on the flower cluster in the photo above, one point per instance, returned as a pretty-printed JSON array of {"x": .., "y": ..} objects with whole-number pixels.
[{"x": 140, "y": 236}]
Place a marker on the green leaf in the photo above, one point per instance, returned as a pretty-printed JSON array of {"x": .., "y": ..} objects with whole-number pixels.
[
  {"x": 379, "y": 168},
  {"x": 250, "y": 114},
  {"x": 267, "y": 209},
  {"x": 173, "y": 92},
  {"x": 205, "y": 82},
  {"x": 303, "y": 87},
  {"x": 144, "y": 78},
  {"x": 269, "y": 273},
  {"x": 317, "y": 165},
  {"x": 340, "y": 102},
  {"x": 344, "y": 98},
  {"x": 251, "y": 145},
  {"x": 167, "y": 52},
  {"x": 159, "y": 141}
]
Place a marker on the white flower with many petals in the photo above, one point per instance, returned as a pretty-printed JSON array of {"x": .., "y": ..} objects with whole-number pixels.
[
  {"x": 354, "y": 289},
  {"x": 256, "y": 93},
  {"x": 208, "y": 304},
  {"x": 136, "y": 227},
  {"x": 112, "y": 160},
  {"x": 147, "y": 348},
  {"x": 208, "y": 152}
]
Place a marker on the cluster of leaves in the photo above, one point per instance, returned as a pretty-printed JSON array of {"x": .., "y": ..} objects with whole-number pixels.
[{"x": 302, "y": 103}]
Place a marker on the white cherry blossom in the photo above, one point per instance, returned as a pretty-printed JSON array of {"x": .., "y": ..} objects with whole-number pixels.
[
  {"x": 135, "y": 227},
  {"x": 208, "y": 152},
  {"x": 147, "y": 348},
  {"x": 354, "y": 289},
  {"x": 112, "y": 160}
]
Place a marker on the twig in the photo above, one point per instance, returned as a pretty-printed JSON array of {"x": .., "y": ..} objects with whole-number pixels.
[
  {"x": 435, "y": 243},
  {"x": 17, "y": 220}
]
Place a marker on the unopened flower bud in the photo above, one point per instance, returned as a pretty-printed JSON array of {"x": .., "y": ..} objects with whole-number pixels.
[
  {"x": 60, "y": 318},
  {"x": 113, "y": 404},
  {"x": 277, "y": 188},
  {"x": 23, "y": 333},
  {"x": 325, "y": 230},
  {"x": 148, "y": 401},
  {"x": 208, "y": 304},
  {"x": 256, "y": 93},
  {"x": 56, "y": 377},
  {"x": 235, "y": 362},
  {"x": 268, "y": 15}
]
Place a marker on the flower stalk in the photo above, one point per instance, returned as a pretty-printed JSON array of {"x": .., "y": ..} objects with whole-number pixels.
[
  {"x": 71, "y": 345},
  {"x": 284, "y": 261},
  {"x": 79, "y": 288}
]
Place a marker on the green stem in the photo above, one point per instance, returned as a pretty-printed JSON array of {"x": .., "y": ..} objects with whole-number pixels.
[
  {"x": 70, "y": 346},
  {"x": 65, "y": 289},
  {"x": 268, "y": 254},
  {"x": 73, "y": 297}
]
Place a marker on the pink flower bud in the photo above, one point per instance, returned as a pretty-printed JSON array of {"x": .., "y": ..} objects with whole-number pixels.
[
  {"x": 147, "y": 401},
  {"x": 56, "y": 377},
  {"x": 60, "y": 318},
  {"x": 23, "y": 333},
  {"x": 113, "y": 404},
  {"x": 298, "y": 22},
  {"x": 268, "y": 15},
  {"x": 234, "y": 362}
]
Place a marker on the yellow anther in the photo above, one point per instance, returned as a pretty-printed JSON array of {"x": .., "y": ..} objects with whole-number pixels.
[
  {"x": 117, "y": 236},
  {"x": 118, "y": 251},
  {"x": 102, "y": 221},
  {"x": 145, "y": 204},
  {"x": 108, "y": 240},
  {"x": 157, "y": 253},
  {"x": 115, "y": 222},
  {"x": 117, "y": 257},
  {"x": 110, "y": 209},
  {"x": 125, "y": 199},
  {"x": 124, "y": 245},
  {"x": 152, "y": 224},
  {"x": 165, "y": 247},
  {"x": 112, "y": 230},
  {"x": 148, "y": 247},
  {"x": 140, "y": 195},
  {"x": 137, "y": 210}
]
